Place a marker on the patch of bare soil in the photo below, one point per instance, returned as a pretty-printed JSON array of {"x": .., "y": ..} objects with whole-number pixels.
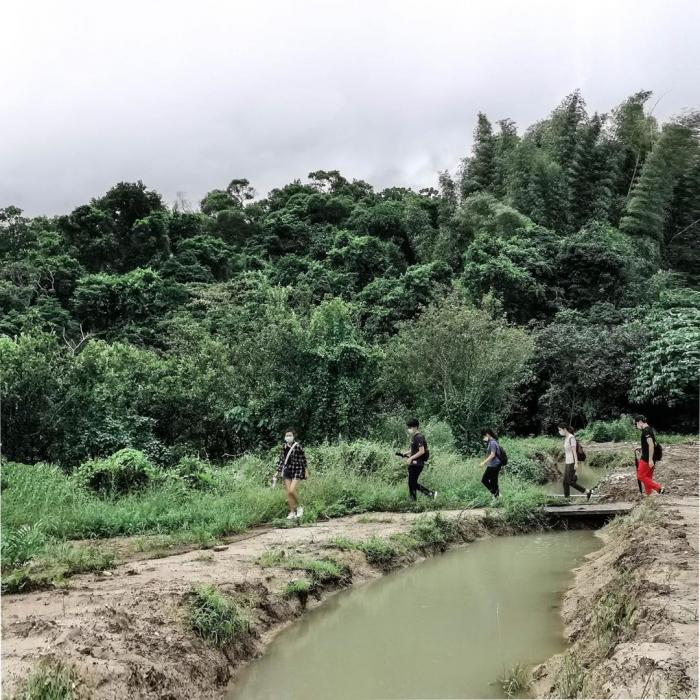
[
  {"x": 632, "y": 614},
  {"x": 125, "y": 631}
]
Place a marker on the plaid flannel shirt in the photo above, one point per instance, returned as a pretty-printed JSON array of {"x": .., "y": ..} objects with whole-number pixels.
[{"x": 297, "y": 460}]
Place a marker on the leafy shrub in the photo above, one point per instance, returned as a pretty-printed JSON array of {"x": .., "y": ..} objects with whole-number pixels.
[
  {"x": 124, "y": 472},
  {"x": 618, "y": 430},
  {"x": 432, "y": 530},
  {"x": 194, "y": 472},
  {"x": 215, "y": 617},
  {"x": 358, "y": 457},
  {"x": 439, "y": 435},
  {"x": 523, "y": 510},
  {"x": 609, "y": 460},
  {"x": 20, "y": 545},
  {"x": 527, "y": 469}
]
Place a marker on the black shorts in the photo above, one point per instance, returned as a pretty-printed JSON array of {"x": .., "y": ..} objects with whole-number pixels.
[{"x": 294, "y": 472}]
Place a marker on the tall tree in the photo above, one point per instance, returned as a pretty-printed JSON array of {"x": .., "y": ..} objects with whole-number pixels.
[
  {"x": 673, "y": 155},
  {"x": 479, "y": 171}
]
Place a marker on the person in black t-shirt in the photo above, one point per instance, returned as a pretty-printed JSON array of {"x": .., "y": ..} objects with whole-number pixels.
[
  {"x": 646, "y": 464},
  {"x": 416, "y": 459}
]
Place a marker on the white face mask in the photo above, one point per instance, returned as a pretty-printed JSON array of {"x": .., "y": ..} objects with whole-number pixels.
[{"x": 289, "y": 439}]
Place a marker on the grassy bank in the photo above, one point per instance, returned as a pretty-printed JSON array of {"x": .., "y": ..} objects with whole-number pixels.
[{"x": 43, "y": 507}]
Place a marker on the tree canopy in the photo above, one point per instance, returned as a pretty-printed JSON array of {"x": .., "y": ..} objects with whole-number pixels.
[{"x": 553, "y": 277}]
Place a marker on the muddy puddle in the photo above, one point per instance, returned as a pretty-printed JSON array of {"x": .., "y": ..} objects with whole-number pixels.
[{"x": 448, "y": 627}]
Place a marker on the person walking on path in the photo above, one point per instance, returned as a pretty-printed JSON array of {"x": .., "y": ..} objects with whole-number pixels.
[
  {"x": 416, "y": 458},
  {"x": 492, "y": 462},
  {"x": 571, "y": 462},
  {"x": 649, "y": 453},
  {"x": 293, "y": 467}
]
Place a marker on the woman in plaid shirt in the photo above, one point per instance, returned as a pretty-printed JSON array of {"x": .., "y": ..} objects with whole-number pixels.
[{"x": 292, "y": 464}]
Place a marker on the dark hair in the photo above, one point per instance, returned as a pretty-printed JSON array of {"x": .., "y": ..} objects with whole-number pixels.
[
  {"x": 489, "y": 431},
  {"x": 566, "y": 426},
  {"x": 639, "y": 418},
  {"x": 291, "y": 430},
  {"x": 412, "y": 423}
]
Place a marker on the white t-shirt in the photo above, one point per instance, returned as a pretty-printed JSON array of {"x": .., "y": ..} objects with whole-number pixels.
[{"x": 569, "y": 449}]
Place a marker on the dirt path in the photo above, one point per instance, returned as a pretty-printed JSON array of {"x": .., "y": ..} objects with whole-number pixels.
[
  {"x": 632, "y": 614},
  {"x": 124, "y": 631}
]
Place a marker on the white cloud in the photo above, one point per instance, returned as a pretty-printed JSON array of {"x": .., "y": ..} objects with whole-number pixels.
[{"x": 187, "y": 95}]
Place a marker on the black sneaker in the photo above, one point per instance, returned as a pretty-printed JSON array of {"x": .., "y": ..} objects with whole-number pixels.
[{"x": 589, "y": 493}]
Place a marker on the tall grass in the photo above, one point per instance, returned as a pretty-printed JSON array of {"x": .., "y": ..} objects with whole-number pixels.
[
  {"x": 50, "y": 680},
  {"x": 216, "y": 617},
  {"x": 43, "y": 506}
]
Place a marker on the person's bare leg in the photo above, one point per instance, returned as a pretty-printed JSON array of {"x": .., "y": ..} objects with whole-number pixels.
[{"x": 291, "y": 486}]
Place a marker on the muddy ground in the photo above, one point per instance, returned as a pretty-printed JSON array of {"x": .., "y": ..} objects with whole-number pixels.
[
  {"x": 632, "y": 614},
  {"x": 125, "y": 631}
]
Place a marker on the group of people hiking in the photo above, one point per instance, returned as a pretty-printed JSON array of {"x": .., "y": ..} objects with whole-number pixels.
[{"x": 293, "y": 466}]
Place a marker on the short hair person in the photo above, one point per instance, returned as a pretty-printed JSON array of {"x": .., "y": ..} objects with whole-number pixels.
[
  {"x": 416, "y": 458},
  {"x": 647, "y": 459},
  {"x": 492, "y": 461}
]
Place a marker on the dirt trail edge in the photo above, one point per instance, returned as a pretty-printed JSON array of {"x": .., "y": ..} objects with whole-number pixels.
[
  {"x": 631, "y": 615},
  {"x": 125, "y": 632}
]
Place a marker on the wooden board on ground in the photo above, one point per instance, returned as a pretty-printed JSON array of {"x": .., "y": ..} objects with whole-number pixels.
[{"x": 591, "y": 509}]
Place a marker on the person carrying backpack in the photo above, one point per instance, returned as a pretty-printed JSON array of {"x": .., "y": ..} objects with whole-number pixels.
[
  {"x": 650, "y": 453},
  {"x": 416, "y": 458},
  {"x": 573, "y": 453},
  {"x": 493, "y": 462}
]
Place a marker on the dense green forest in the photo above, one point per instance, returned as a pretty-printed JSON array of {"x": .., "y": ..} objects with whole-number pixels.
[{"x": 555, "y": 277}]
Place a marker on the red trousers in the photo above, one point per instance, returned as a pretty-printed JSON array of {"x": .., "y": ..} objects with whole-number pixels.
[{"x": 645, "y": 473}]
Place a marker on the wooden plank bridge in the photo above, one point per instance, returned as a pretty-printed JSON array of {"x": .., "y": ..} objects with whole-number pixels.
[{"x": 588, "y": 511}]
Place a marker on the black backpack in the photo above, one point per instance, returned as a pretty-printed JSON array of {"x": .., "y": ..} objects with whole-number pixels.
[
  {"x": 658, "y": 452},
  {"x": 502, "y": 456},
  {"x": 580, "y": 452}
]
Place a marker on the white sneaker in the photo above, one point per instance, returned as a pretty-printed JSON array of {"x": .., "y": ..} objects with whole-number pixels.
[
  {"x": 300, "y": 511},
  {"x": 292, "y": 516}
]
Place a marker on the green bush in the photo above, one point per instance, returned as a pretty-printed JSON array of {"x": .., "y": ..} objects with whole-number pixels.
[
  {"x": 124, "y": 472},
  {"x": 215, "y": 617},
  {"x": 432, "y": 530},
  {"x": 195, "y": 473},
  {"x": 527, "y": 469},
  {"x": 522, "y": 509},
  {"x": 619, "y": 430},
  {"x": 20, "y": 545},
  {"x": 610, "y": 460}
]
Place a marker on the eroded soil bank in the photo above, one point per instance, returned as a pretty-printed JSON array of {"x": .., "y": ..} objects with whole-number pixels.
[
  {"x": 125, "y": 632},
  {"x": 632, "y": 614}
]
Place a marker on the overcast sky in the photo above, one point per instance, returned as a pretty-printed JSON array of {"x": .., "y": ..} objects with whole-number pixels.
[{"x": 189, "y": 95}]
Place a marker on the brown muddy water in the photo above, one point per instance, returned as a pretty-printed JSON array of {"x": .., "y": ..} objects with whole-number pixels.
[{"x": 447, "y": 627}]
